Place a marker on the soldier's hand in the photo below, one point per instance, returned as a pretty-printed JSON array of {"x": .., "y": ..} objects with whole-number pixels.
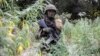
[
  {"x": 59, "y": 23},
  {"x": 47, "y": 29}
]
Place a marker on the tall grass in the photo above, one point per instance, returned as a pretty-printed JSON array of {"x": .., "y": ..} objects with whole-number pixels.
[
  {"x": 80, "y": 39},
  {"x": 14, "y": 41}
]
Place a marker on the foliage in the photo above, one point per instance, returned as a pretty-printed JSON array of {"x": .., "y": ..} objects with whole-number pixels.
[
  {"x": 13, "y": 40},
  {"x": 82, "y": 38}
]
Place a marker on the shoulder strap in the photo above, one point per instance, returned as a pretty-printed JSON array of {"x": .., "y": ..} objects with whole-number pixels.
[{"x": 42, "y": 23}]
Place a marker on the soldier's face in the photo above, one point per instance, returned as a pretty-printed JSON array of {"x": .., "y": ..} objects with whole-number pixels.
[{"x": 51, "y": 13}]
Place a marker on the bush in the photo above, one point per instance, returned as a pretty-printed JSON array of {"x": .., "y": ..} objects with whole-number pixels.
[
  {"x": 13, "y": 41},
  {"x": 80, "y": 39}
]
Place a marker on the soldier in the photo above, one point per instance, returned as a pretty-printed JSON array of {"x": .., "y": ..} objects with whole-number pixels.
[{"x": 48, "y": 26}]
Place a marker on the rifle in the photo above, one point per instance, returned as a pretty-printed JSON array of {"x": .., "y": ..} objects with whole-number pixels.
[{"x": 52, "y": 36}]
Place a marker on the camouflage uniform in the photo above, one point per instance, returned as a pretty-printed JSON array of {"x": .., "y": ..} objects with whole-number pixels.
[{"x": 50, "y": 31}]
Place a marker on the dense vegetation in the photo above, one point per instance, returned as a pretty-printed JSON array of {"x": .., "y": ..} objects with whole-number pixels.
[{"x": 18, "y": 28}]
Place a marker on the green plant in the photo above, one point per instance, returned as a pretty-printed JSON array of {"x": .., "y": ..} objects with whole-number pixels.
[
  {"x": 14, "y": 41},
  {"x": 82, "y": 38}
]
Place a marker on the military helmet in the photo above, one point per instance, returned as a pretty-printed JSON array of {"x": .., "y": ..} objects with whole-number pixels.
[{"x": 50, "y": 7}]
